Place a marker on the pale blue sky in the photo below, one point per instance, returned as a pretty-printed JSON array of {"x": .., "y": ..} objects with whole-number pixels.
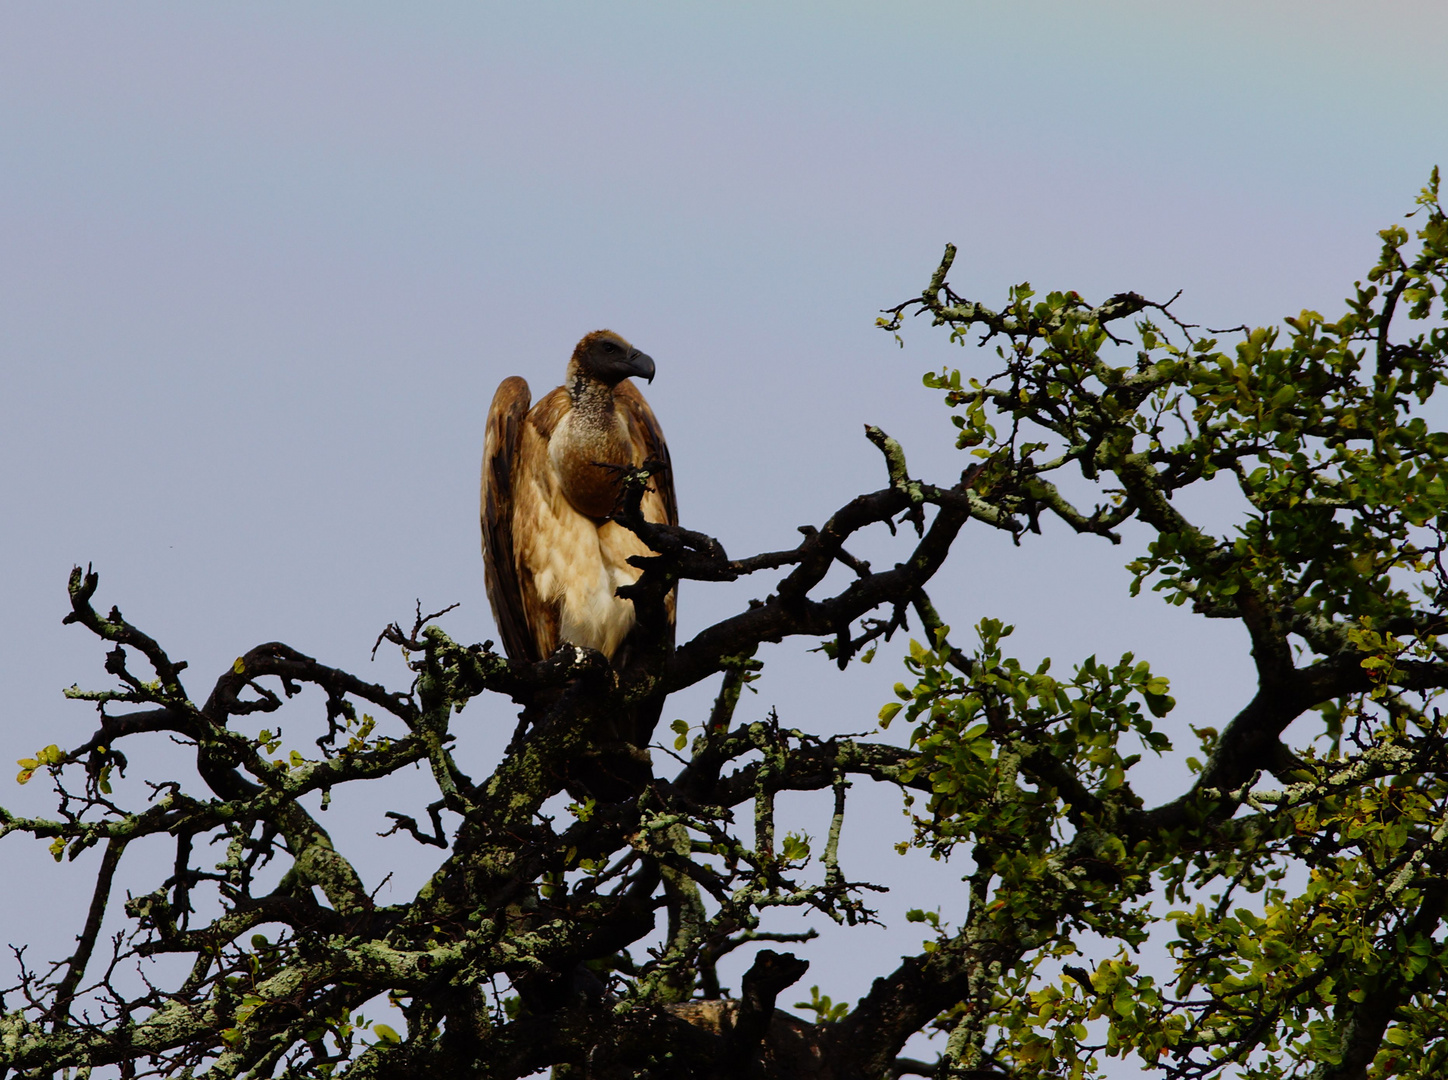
[{"x": 261, "y": 267}]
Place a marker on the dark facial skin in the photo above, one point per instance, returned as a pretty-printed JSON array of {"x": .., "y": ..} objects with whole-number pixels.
[{"x": 610, "y": 359}]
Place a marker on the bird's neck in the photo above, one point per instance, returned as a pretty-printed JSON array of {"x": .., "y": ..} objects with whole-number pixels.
[
  {"x": 594, "y": 444},
  {"x": 592, "y": 400}
]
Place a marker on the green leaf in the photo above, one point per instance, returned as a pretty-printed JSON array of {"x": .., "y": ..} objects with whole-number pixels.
[{"x": 795, "y": 848}]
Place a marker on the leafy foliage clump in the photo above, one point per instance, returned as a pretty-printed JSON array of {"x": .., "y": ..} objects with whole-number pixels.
[{"x": 1308, "y": 916}]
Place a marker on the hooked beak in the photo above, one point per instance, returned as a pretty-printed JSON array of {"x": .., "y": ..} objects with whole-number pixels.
[{"x": 639, "y": 365}]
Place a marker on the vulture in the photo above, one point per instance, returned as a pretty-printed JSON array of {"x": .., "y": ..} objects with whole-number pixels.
[{"x": 552, "y": 555}]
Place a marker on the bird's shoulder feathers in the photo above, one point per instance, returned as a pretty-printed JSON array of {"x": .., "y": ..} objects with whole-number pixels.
[{"x": 551, "y": 408}]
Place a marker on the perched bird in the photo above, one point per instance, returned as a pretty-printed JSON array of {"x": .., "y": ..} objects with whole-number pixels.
[{"x": 551, "y": 479}]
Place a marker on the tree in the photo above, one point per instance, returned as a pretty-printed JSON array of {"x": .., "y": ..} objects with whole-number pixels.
[{"x": 1304, "y": 883}]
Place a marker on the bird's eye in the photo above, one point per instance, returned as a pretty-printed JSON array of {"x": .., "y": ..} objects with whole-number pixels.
[{"x": 611, "y": 346}]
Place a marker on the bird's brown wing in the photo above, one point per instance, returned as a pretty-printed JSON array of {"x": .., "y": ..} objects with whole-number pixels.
[
  {"x": 506, "y": 419},
  {"x": 539, "y": 536},
  {"x": 659, "y": 505},
  {"x": 647, "y": 437},
  {"x": 648, "y": 440}
]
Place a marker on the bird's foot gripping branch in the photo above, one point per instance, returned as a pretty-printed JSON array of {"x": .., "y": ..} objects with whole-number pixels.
[{"x": 1294, "y": 880}]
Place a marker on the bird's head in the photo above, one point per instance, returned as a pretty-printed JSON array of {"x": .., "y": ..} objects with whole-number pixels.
[{"x": 605, "y": 356}]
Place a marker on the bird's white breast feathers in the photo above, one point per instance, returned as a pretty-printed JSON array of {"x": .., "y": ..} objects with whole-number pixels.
[{"x": 577, "y": 563}]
